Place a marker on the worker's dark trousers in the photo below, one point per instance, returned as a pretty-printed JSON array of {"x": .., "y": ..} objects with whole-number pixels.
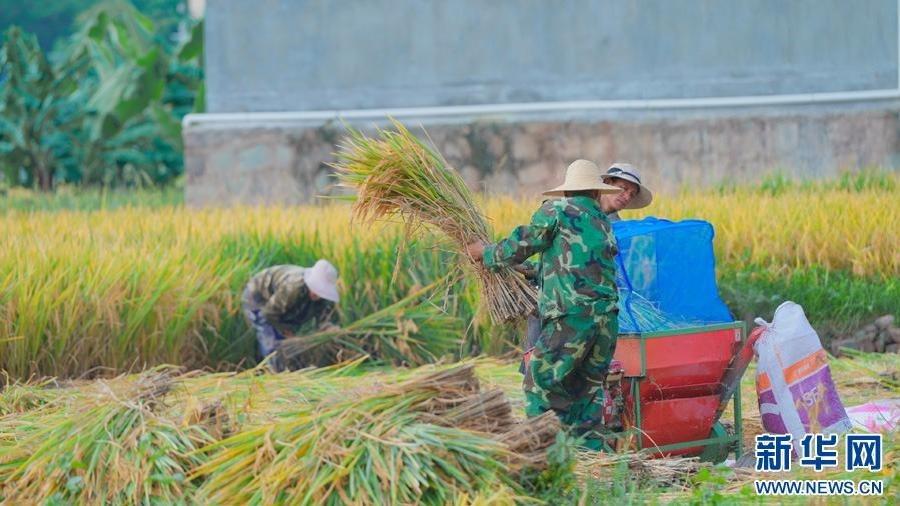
[{"x": 267, "y": 336}]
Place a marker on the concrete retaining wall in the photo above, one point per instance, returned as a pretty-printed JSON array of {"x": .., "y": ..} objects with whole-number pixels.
[{"x": 288, "y": 164}]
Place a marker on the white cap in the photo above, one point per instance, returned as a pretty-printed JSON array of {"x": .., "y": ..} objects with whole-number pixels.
[
  {"x": 627, "y": 172},
  {"x": 321, "y": 279}
]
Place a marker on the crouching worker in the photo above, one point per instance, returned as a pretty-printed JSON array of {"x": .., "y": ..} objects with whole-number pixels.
[
  {"x": 283, "y": 299},
  {"x": 577, "y": 300}
]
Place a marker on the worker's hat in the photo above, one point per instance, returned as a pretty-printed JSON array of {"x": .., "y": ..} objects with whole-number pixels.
[
  {"x": 627, "y": 172},
  {"x": 321, "y": 279},
  {"x": 583, "y": 175}
]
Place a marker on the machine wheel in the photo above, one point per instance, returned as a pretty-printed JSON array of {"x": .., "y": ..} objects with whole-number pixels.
[{"x": 716, "y": 453}]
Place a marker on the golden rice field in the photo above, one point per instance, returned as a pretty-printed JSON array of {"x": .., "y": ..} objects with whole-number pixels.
[
  {"x": 92, "y": 293},
  {"x": 129, "y": 288},
  {"x": 837, "y": 230}
]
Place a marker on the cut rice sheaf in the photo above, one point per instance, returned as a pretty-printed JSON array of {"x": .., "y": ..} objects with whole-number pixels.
[{"x": 396, "y": 175}]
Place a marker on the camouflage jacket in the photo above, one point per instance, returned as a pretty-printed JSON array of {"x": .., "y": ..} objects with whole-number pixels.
[
  {"x": 577, "y": 270},
  {"x": 282, "y": 297},
  {"x": 530, "y": 268}
]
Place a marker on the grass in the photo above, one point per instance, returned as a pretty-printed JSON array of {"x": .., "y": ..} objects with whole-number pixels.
[
  {"x": 776, "y": 183},
  {"x": 92, "y": 292},
  {"x": 837, "y": 301},
  {"x": 89, "y": 199}
]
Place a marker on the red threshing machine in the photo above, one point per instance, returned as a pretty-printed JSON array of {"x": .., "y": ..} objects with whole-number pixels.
[
  {"x": 680, "y": 355},
  {"x": 675, "y": 385}
]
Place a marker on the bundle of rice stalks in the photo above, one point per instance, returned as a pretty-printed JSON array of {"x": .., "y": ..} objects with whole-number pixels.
[
  {"x": 530, "y": 441},
  {"x": 110, "y": 447},
  {"x": 412, "y": 331},
  {"x": 20, "y": 397},
  {"x": 333, "y": 435},
  {"x": 397, "y": 175},
  {"x": 497, "y": 496},
  {"x": 430, "y": 439}
]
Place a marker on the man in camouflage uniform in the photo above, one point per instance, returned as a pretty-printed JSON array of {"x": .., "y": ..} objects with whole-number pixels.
[
  {"x": 281, "y": 299},
  {"x": 634, "y": 195},
  {"x": 577, "y": 301}
]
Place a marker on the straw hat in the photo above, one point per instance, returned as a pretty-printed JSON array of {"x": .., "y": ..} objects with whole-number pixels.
[
  {"x": 321, "y": 279},
  {"x": 582, "y": 175},
  {"x": 627, "y": 172}
]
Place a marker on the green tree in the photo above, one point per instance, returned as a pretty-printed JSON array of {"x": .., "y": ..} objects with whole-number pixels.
[
  {"x": 53, "y": 21},
  {"x": 114, "y": 116},
  {"x": 38, "y": 118},
  {"x": 129, "y": 69},
  {"x": 49, "y": 21}
]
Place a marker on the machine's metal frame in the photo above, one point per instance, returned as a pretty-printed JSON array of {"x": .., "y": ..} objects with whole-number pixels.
[{"x": 718, "y": 445}]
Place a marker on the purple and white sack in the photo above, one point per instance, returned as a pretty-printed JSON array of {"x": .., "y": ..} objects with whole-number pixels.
[{"x": 793, "y": 381}]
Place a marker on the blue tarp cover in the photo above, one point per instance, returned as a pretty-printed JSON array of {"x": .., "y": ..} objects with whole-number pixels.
[{"x": 667, "y": 275}]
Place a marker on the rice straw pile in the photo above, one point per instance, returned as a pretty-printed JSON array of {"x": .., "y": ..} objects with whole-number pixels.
[
  {"x": 397, "y": 175},
  {"x": 100, "y": 445},
  {"x": 668, "y": 471},
  {"x": 425, "y": 440},
  {"x": 321, "y": 436}
]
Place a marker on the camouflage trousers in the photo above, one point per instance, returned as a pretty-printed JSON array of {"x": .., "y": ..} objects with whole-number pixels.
[{"x": 568, "y": 370}]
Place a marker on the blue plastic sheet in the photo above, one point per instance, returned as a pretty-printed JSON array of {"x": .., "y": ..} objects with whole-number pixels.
[{"x": 667, "y": 275}]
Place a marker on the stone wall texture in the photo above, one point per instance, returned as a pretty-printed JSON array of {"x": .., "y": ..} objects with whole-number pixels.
[{"x": 261, "y": 165}]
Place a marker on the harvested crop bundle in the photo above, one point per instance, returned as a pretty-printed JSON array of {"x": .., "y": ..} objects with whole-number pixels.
[
  {"x": 106, "y": 447},
  {"x": 429, "y": 439},
  {"x": 337, "y": 435},
  {"x": 669, "y": 471},
  {"x": 412, "y": 331},
  {"x": 397, "y": 175}
]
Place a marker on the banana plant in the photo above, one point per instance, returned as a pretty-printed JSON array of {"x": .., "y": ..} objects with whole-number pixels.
[
  {"x": 39, "y": 116},
  {"x": 106, "y": 109},
  {"x": 144, "y": 82},
  {"x": 130, "y": 66}
]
